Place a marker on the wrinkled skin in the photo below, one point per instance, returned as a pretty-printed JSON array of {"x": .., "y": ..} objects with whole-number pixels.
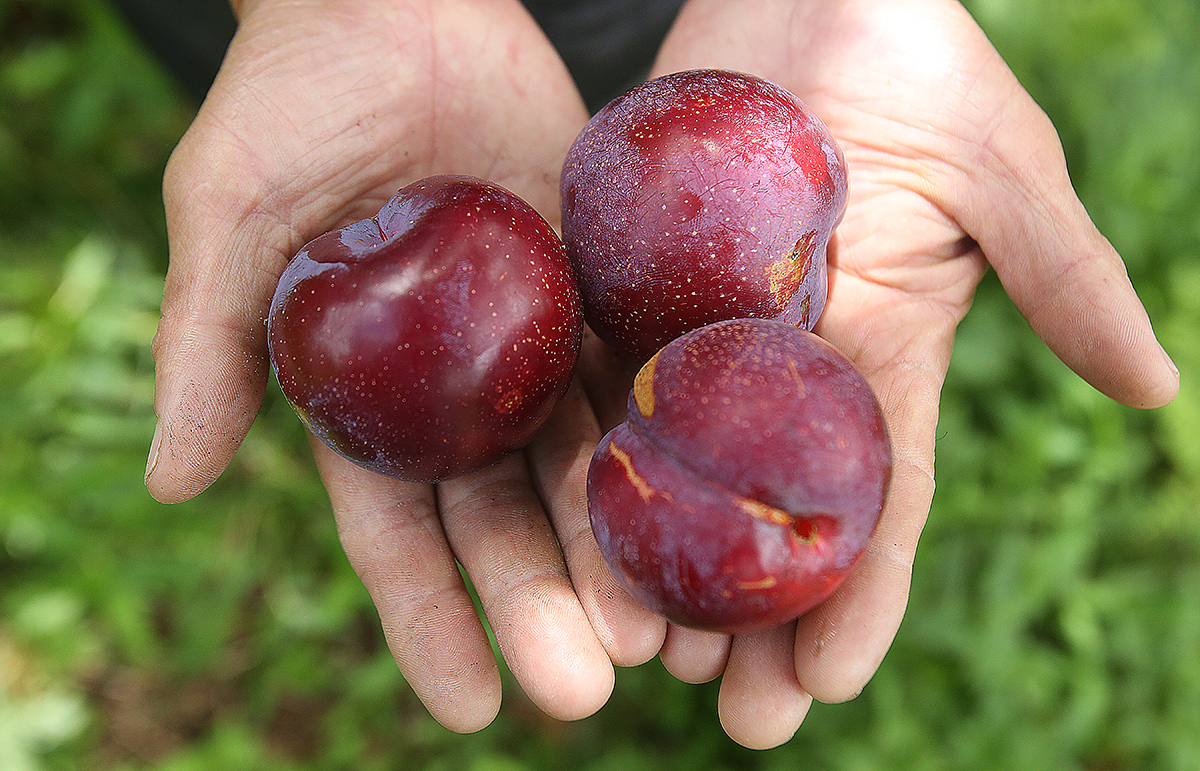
[{"x": 323, "y": 109}]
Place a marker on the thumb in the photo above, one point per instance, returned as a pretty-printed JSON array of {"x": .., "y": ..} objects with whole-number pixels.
[
  {"x": 1068, "y": 281},
  {"x": 210, "y": 351}
]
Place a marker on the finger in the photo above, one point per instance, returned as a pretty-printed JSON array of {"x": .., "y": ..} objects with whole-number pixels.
[
  {"x": 1016, "y": 198},
  {"x": 499, "y": 532},
  {"x": 760, "y": 702},
  {"x": 841, "y": 642},
  {"x": 210, "y": 349},
  {"x": 559, "y": 457},
  {"x": 694, "y": 656},
  {"x": 392, "y": 537}
]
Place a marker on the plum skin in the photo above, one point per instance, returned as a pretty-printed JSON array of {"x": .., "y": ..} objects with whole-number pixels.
[
  {"x": 696, "y": 197},
  {"x": 432, "y": 339},
  {"x": 747, "y": 479}
]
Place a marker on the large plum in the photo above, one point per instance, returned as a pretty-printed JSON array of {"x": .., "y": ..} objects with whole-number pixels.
[
  {"x": 431, "y": 339},
  {"x": 747, "y": 479},
  {"x": 696, "y": 197}
]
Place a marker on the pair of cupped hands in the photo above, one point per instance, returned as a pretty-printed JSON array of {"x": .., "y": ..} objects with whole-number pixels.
[{"x": 324, "y": 108}]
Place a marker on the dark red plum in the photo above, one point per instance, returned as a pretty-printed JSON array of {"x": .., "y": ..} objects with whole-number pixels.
[
  {"x": 747, "y": 479},
  {"x": 432, "y": 339},
  {"x": 697, "y": 197}
]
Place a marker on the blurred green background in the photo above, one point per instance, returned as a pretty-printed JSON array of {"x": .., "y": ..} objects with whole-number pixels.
[{"x": 1055, "y": 614}]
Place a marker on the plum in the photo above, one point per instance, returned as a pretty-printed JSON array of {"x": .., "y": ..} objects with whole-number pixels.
[
  {"x": 697, "y": 197},
  {"x": 746, "y": 480},
  {"x": 432, "y": 339}
]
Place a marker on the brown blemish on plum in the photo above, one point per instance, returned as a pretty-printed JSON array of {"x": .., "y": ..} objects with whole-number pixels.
[
  {"x": 786, "y": 274},
  {"x": 643, "y": 387},
  {"x": 801, "y": 389},
  {"x": 804, "y": 530},
  {"x": 764, "y": 511},
  {"x": 766, "y": 582},
  {"x": 643, "y": 488}
]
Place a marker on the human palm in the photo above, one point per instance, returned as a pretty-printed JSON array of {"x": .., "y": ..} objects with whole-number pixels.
[
  {"x": 316, "y": 118},
  {"x": 319, "y": 115},
  {"x": 952, "y": 168}
]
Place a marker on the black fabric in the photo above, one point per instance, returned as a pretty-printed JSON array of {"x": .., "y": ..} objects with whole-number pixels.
[
  {"x": 188, "y": 36},
  {"x": 608, "y": 45}
]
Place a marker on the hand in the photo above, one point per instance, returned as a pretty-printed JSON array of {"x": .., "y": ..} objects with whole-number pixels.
[
  {"x": 952, "y": 168},
  {"x": 321, "y": 111}
]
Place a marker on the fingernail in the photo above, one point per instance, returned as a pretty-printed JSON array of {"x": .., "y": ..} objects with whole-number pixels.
[
  {"x": 152, "y": 461},
  {"x": 1171, "y": 363}
]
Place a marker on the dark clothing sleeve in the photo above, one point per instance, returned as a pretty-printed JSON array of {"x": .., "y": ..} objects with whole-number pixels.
[
  {"x": 188, "y": 36},
  {"x": 608, "y": 45}
]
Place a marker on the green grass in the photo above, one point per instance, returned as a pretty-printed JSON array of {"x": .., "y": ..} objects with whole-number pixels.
[{"x": 1054, "y": 623}]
